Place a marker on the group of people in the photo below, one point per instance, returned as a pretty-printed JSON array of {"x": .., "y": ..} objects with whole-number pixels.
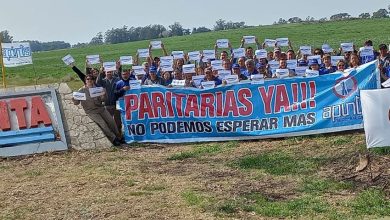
[{"x": 103, "y": 110}]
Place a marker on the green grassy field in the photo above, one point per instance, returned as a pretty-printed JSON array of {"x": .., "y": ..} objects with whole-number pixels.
[{"x": 49, "y": 68}]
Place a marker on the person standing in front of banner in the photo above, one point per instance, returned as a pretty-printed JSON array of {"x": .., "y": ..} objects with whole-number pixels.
[
  {"x": 122, "y": 85},
  {"x": 250, "y": 68},
  {"x": 108, "y": 81},
  {"x": 384, "y": 62},
  {"x": 153, "y": 78},
  {"x": 326, "y": 66},
  {"x": 95, "y": 110}
]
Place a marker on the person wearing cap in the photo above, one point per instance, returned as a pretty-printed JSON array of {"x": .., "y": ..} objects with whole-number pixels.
[
  {"x": 384, "y": 62},
  {"x": 250, "y": 68},
  {"x": 236, "y": 71},
  {"x": 326, "y": 66},
  {"x": 153, "y": 78},
  {"x": 313, "y": 65},
  {"x": 277, "y": 53}
]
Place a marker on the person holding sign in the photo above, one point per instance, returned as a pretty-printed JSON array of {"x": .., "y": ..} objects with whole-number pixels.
[
  {"x": 283, "y": 66},
  {"x": 152, "y": 78},
  {"x": 122, "y": 85},
  {"x": 250, "y": 68},
  {"x": 384, "y": 62},
  {"x": 326, "y": 66},
  {"x": 209, "y": 76},
  {"x": 94, "y": 108},
  {"x": 156, "y": 60},
  {"x": 236, "y": 71},
  {"x": 167, "y": 78}
]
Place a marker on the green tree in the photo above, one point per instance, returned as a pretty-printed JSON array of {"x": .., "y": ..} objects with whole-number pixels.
[
  {"x": 381, "y": 13},
  {"x": 5, "y": 37}
]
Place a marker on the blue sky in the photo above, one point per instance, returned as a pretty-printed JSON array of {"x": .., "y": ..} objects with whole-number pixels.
[{"x": 79, "y": 20}]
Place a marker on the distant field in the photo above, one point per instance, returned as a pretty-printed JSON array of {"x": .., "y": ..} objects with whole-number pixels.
[{"x": 48, "y": 67}]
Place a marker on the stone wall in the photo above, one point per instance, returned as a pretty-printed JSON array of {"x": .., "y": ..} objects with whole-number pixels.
[{"x": 80, "y": 131}]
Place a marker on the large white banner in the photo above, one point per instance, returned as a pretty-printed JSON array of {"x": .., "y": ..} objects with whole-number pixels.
[
  {"x": 16, "y": 54},
  {"x": 376, "y": 117}
]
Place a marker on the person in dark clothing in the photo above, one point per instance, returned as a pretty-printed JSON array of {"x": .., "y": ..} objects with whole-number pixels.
[{"x": 122, "y": 85}]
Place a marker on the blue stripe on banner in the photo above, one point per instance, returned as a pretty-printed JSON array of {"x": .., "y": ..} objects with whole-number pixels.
[
  {"x": 32, "y": 135},
  {"x": 277, "y": 108}
]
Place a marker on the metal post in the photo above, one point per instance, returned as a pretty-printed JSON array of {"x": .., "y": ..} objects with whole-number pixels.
[{"x": 2, "y": 63}]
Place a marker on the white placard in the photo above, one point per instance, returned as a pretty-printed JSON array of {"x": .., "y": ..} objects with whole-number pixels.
[
  {"x": 194, "y": 56},
  {"x": 93, "y": 59},
  {"x": 189, "y": 68},
  {"x": 386, "y": 83},
  {"x": 335, "y": 59},
  {"x": 126, "y": 60},
  {"x": 270, "y": 42},
  {"x": 143, "y": 53},
  {"x": 155, "y": 44},
  {"x": 68, "y": 59},
  {"x": 301, "y": 70},
  {"x": 305, "y": 50},
  {"x": 96, "y": 91},
  {"x": 79, "y": 96},
  {"x": 209, "y": 54},
  {"x": 231, "y": 79},
  {"x": 197, "y": 80},
  {"x": 239, "y": 52},
  {"x": 16, "y": 54},
  {"x": 109, "y": 66},
  {"x": 376, "y": 116},
  {"x": 312, "y": 73},
  {"x": 347, "y": 47},
  {"x": 166, "y": 60},
  {"x": 282, "y": 73},
  {"x": 282, "y": 42},
  {"x": 249, "y": 39},
  {"x": 366, "y": 51},
  {"x": 257, "y": 79},
  {"x": 216, "y": 64},
  {"x": 208, "y": 84},
  {"x": 139, "y": 70},
  {"x": 273, "y": 64},
  {"x": 135, "y": 84},
  {"x": 315, "y": 57},
  {"x": 291, "y": 64},
  {"x": 178, "y": 83},
  {"x": 326, "y": 48},
  {"x": 261, "y": 53},
  {"x": 223, "y": 43},
  {"x": 166, "y": 67},
  {"x": 178, "y": 54},
  {"x": 224, "y": 73}
]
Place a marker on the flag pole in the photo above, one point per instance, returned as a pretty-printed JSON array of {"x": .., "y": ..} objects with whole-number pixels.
[{"x": 2, "y": 63}]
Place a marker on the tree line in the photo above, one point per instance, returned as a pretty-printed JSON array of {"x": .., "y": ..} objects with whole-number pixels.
[{"x": 129, "y": 34}]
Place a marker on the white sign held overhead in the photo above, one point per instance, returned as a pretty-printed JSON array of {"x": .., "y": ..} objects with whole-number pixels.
[
  {"x": 178, "y": 54},
  {"x": 16, "y": 54},
  {"x": 224, "y": 73},
  {"x": 209, "y": 54},
  {"x": 126, "y": 60},
  {"x": 335, "y": 59},
  {"x": 135, "y": 84},
  {"x": 189, "y": 68},
  {"x": 216, "y": 64},
  {"x": 139, "y": 70},
  {"x": 273, "y": 64},
  {"x": 197, "y": 80},
  {"x": 305, "y": 50},
  {"x": 68, "y": 59},
  {"x": 109, "y": 66},
  {"x": 376, "y": 117},
  {"x": 249, "y": 39},
  {"x": 291, "y": 64},
  {"x": 223, "y": 43},
  {"x": 93, "y": 59},
  {"x": 96, "y": 91},
  {"x": 166, "y": 60},
  {"x": 270, "y": 42},
  {"x": 239, "y": 52},
  {"x": 315, "y": 57},
  {"x": 194, "y": 56},
  {"x": 156, "y": 44},
  {"x": 208, "y": 84},
  {"x": 261, "y": 54},
  {"x": 282, "y": 42},
  {"x": 143, "y": 53},
  {"x": 79, "y": 96},
  {"x": 366, "y": 51},
  {"x": 326, "y": 48},
  {"x": 347, "y": 47}
]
